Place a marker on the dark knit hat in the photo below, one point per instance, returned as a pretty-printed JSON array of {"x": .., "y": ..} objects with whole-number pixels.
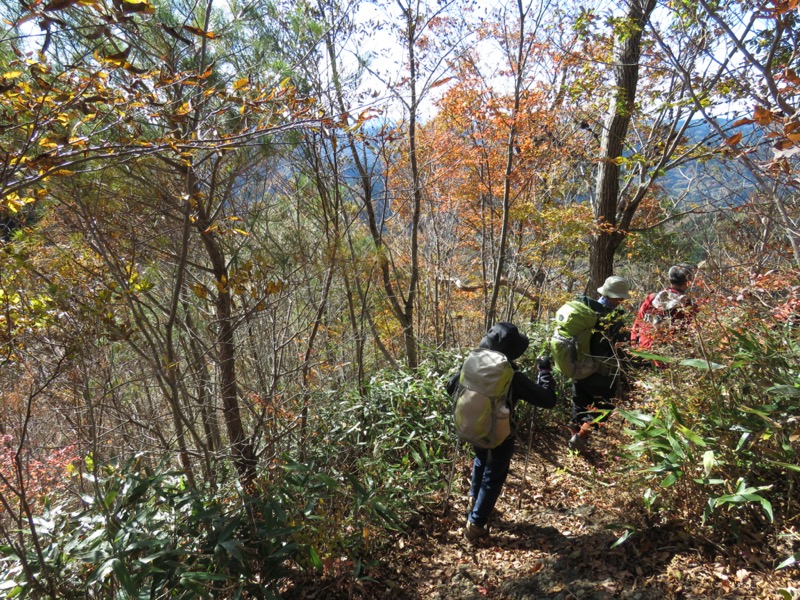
[{"x": 506, "y": 338}]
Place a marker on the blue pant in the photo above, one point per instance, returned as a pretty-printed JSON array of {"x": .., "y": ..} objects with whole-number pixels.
[{"x": 489, "y": 472}]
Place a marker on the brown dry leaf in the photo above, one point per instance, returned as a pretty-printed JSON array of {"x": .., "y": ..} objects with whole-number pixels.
[
  {"x": 762, "y": 115},
  {"x": 59, "y": 4},
  {"x": 734, "y": 139}
]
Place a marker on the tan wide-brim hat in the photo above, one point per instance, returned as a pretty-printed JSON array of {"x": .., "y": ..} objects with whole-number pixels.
[{"x": 615, "y": 287}]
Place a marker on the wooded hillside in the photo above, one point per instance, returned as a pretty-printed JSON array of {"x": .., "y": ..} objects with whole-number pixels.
[{"x": 244, "y": 244}]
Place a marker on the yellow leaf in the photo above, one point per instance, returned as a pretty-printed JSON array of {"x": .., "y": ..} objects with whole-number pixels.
[
  {"x": 118, "y": 59},
  {"x": 137, "y": 6},
  {"x": 197, "y": 31},
  {"x": 11, "y": 74},
  {"x": 184, "y": 109},
  {"x": 241, "y": 231},
  {"x": 199, "y": 290},
  {"x": 240, "y": 83}
]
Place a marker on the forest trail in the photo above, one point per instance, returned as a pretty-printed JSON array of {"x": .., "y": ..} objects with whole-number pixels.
[{"x": 556, "y": 542}]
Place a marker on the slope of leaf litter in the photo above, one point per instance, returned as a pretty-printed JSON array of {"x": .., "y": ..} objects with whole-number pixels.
[{"x": 555, "y": 536}]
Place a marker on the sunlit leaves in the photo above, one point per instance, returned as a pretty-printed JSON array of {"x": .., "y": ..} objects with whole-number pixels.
[
  {"x": 197, "y": 31},
  {"x": 742, "y": 495},
  {"x": 137, "y": 6}
]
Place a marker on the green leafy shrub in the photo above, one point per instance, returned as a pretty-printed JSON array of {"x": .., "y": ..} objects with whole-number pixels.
[
  {"x": 391, "y": 450},
  {"x": 719, "y": 434},
  {"x": 144, "y": 534}
]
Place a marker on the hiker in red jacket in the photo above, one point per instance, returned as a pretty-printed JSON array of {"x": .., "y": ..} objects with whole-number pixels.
[{"x": 664, "y": 313}]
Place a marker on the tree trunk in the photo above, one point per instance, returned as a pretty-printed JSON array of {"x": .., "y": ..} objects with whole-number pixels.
[
  {"x": 244, "y": 456},
  {"x": 402, "y": 307},
  {"x": 519, "y": 68},
  {"x": 607, "y": 237},
  {"x": 407, "y": 320}
]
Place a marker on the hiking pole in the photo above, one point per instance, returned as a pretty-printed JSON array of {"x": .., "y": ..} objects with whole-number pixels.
[
  {"x": 527, "y": 455},
  {"x": 446, "y": 503},
  {"x": 530, "y": 435}
]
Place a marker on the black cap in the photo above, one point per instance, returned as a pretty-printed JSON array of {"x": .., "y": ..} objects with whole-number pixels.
[
  {"x": 681, "y": 274},
  {"x": 505, "y": 338}
]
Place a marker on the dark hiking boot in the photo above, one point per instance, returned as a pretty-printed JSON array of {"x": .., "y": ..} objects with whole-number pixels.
[
  {"x": 474, "y": 532},
  {"x": 580, "y": 438},
  {"x": 578, "y": 442}
]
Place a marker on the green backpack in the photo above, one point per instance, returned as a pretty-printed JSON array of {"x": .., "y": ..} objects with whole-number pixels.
[
  {"x": 482, "y": 410},
  {"x": 569, "y": 346}
]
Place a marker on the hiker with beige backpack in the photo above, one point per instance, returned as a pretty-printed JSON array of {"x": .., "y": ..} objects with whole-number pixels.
[{"x": 486, "y": 390}]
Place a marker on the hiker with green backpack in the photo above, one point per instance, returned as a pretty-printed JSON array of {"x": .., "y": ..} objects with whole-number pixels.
[
  {"x": 486, "y": 390},
  {"x": 584, "y": 348}
]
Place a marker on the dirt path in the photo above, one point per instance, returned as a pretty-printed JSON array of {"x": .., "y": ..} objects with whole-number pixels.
[{"x": 556, "y": 541}]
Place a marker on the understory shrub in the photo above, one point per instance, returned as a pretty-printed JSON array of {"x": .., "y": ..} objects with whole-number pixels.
[
  {"x": 142, "y": 533},
  {"x": 372, "y": 463},
  {"x": 391, "y": 447},
  {"x": 720, "y": 435}
]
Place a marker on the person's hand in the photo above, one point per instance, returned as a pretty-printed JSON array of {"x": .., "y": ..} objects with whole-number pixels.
[{"x": 544, "y": 363}]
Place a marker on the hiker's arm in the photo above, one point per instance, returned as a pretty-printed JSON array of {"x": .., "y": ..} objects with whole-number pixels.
[
  {"x": 542, "y": 394},
  {"x": 452, "y": 383},
  {"x": 621, "y": 329},
  {"x": 636, "y": 328}
]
